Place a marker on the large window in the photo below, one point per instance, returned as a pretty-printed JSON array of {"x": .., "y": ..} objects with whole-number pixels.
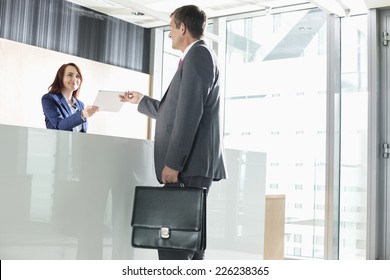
[
  {"x": 353, "y": 173},
  {"x": 276, "y": 103}
]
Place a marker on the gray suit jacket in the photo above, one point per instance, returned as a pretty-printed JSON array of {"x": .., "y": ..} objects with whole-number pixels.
[{"x": 188, "y": 135}]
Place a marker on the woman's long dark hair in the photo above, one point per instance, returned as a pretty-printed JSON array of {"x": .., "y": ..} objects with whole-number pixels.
[{"x": 58, "y": 85}]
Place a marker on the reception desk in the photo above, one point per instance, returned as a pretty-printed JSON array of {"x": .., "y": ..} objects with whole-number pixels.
[{"x": 67, "y": 195}]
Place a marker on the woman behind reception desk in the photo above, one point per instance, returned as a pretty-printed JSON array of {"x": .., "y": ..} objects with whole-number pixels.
[
  {"x": 61, "y": 106},
  {"x": 78, "y": 184}
]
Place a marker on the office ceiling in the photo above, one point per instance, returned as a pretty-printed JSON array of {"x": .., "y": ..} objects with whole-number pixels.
[{"x": 155, "y": 13}]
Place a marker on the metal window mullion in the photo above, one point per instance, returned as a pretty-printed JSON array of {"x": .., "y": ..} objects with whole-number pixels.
[
  {"x": 374, "y": 139},
  {"x": 332, "y": 195},
  {"x": 382, "y": 202},
  {"x": 383, "y": 190}
]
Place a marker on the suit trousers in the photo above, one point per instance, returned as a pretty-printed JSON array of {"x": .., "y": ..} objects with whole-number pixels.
[{"x": 195, "y": 182}]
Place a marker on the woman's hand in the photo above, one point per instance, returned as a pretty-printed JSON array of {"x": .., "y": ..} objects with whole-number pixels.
[{"x": 89, "y": 111}]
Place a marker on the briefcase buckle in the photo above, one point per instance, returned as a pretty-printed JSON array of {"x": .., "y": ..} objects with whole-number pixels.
[{"x": 164, "y": 232}]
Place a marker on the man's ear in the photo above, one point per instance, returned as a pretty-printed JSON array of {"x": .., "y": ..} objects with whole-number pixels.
[{"x": 182, "y": 28}]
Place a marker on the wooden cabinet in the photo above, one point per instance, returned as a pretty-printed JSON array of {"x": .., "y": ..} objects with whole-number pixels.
[{"x": 274, "y": 227}]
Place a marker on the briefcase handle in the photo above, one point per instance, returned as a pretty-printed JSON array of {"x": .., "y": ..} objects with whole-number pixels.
[{"x": 174, "y": 185}]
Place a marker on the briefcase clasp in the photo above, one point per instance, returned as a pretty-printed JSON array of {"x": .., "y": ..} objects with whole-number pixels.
[{"x": 164, "y": 232}]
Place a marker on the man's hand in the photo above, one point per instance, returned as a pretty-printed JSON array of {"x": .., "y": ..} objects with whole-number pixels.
[
  {"x": 133, "y": 97},
  {"x": 169, "y": 175}
]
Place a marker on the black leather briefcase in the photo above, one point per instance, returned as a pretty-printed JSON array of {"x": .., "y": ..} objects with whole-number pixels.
[{"x": 169, "y": 218}]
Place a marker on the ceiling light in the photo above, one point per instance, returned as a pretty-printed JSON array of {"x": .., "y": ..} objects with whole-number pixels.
[
  {"x": 304, "y": 28},
  {"x": 107, "y": 2}
]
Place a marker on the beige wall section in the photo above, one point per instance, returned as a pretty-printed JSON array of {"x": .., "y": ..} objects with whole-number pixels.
[{"x": 27, "y": 71}]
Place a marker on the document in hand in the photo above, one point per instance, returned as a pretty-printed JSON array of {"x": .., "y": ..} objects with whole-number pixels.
[{"x": 108, "y": 100}]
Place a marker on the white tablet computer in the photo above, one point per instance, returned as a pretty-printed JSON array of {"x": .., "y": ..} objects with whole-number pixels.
[{"x": 108, "y": 100}]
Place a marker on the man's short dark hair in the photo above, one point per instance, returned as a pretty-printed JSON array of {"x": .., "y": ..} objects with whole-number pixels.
[{"x": 192, "y": 17}]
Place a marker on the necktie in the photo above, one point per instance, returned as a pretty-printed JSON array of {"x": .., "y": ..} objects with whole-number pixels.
[{"x": 180, "y": 63}]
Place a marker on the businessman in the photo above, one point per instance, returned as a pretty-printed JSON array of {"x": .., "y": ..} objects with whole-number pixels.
[{"x": 188, "y": 135}]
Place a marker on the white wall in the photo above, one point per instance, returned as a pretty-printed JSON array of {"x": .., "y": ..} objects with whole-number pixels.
[{"x": 27, "y": 71}]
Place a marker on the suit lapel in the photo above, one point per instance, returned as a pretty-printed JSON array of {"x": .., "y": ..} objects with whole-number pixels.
[
  {"x": 62, "y": 101},
  {"x": 200, "y": 42}
]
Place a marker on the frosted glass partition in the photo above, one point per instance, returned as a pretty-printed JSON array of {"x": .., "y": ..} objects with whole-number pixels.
[{"x": 69, "y": 195}]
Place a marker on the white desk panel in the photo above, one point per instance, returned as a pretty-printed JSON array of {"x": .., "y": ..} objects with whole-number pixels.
[{"x": 67, "y": 195}]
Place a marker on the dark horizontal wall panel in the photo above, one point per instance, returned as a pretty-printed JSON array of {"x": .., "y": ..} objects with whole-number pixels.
[{"x": 72, "y": 29}]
